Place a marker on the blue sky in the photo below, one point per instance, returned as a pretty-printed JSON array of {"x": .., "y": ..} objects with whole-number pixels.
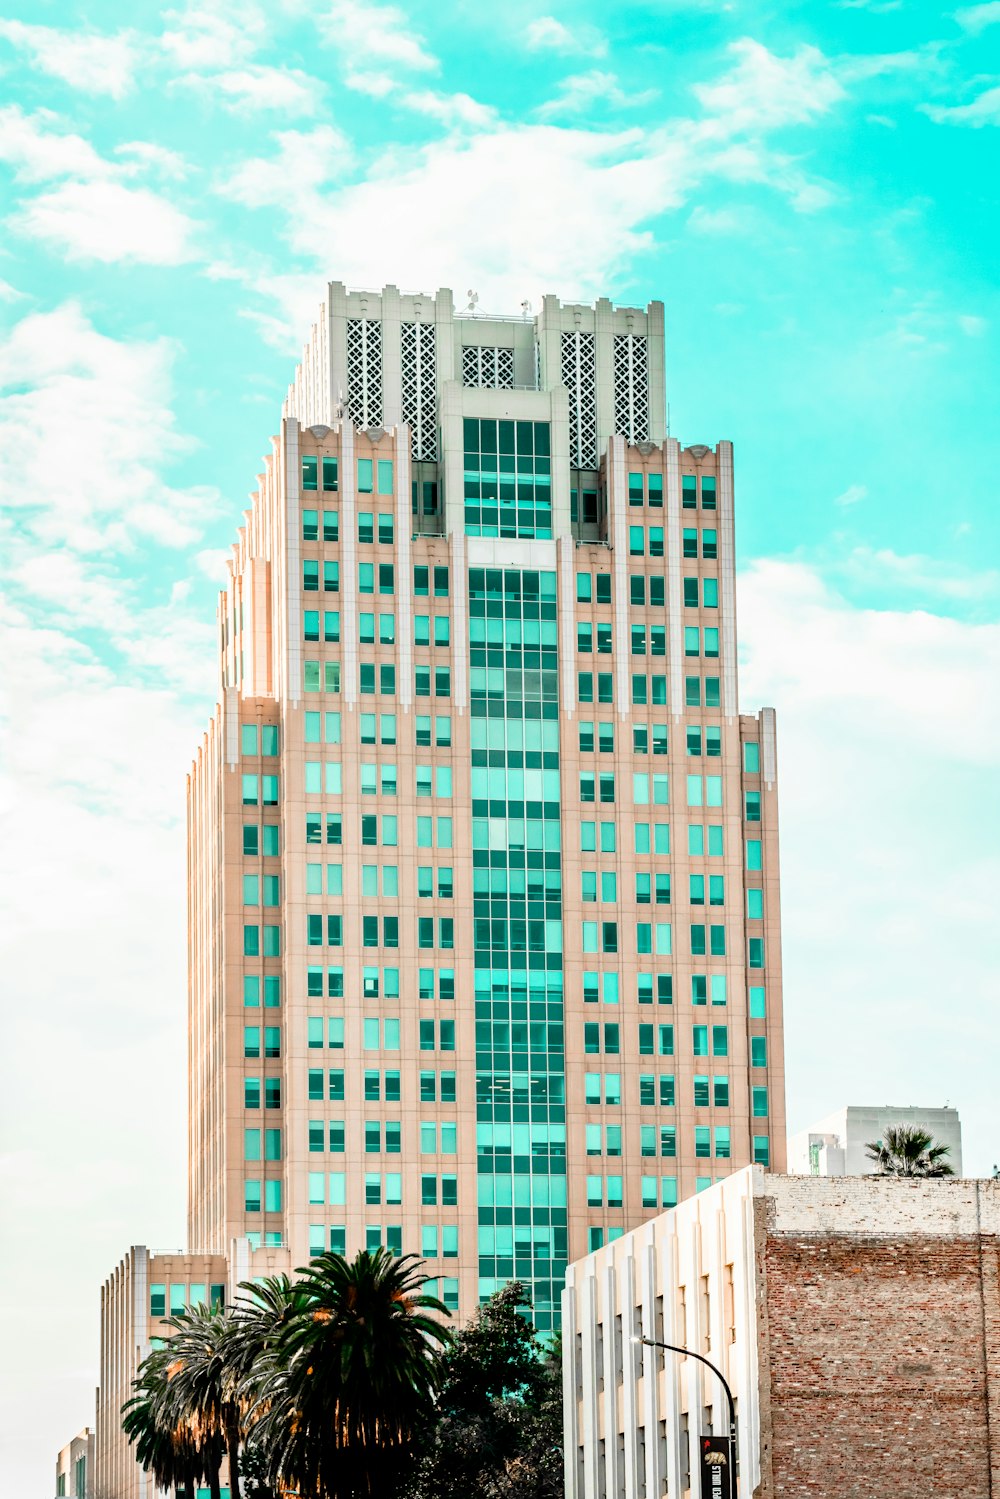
[{"x": 810, "y": 188}]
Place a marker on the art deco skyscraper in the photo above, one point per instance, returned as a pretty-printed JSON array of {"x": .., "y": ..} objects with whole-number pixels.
[{"x": 483, "y": 869}]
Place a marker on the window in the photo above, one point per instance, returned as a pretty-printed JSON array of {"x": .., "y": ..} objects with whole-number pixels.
[{"x": 507, "y": 478}]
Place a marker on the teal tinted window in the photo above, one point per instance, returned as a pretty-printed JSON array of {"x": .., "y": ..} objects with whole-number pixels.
[{"x": 508, "y": 482}]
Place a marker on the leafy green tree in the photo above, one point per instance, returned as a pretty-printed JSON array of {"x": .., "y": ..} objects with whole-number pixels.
[
  {"x": 344, "y": 1392},
  {"x": 178, "y": 1451},
  {"x": 909, "y": 1150},
  {"x": 499, "y": 1428}
]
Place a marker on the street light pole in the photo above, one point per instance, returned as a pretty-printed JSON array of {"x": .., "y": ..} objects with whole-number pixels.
[{"x": 690, "y": 1353}]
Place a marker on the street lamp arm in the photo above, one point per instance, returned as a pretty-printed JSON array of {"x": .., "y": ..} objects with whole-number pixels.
[{"x": 690, "y": 1353}]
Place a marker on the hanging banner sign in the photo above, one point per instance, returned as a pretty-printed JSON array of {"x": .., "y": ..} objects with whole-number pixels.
[{"x": 716, "y": 1482}]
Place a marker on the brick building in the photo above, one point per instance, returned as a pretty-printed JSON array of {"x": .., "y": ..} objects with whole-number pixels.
[{"x": 856, "y": 1319}]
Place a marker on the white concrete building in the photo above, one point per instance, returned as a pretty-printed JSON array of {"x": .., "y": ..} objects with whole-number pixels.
[
  {"x": 845, "y": 1313},
  {"x": 634, "y": 1413},
  {"x": 836, "y": 1145}
]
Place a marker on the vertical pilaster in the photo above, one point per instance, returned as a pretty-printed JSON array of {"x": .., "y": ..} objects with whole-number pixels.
[
  {"x": 727, "y": 580},
  {"x": 404, "y": 570},
  {"x": 348, "y": 563},
  {"x": 288, "y": 681},
  {"x": 392, "y": 360},
  {"x": 617, "y": 490},
  {"x": 675, "y": 580}
]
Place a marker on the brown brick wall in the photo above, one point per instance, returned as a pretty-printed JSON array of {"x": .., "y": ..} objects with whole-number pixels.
[{"x": 876, "y": 1357}]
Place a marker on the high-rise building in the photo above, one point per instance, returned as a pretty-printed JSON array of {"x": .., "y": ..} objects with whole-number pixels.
[{"x": 483, "y": 865}]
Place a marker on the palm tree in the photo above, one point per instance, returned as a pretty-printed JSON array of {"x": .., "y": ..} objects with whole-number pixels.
[
  {"x": 204, "y": 1381},
  {"x": 166, "y": 1442},
  {"x": 344, "y": 1392},
  {"x": 259, "y": 1320},
  {"x": 909, "y": 1150}
]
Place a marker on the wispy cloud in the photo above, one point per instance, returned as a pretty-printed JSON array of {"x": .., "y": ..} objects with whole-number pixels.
[
  {"x": 374, "y": 38},
  {"x": 303, "y": 163},
  {"x": 86, "y": 60},
  {"x": 982, "y": 111},
  {"x": 66, "y": 387},
  {"x": 852, "y": 495},
  {"x": 212, "y": 36},
  {"x": 254, "y": 86},
  {"x": 583, "y": 92},
  {"x": 764, "y": 91},
  {"x": 95, "y": 213},
  {"x": 547, "y": 34},
  {"x": 975, "y": 18}
]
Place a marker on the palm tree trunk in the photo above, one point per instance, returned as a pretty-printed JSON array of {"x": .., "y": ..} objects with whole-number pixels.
[
  {"x": 233, "y": 1454},
  {"x": 214, "y": 1487}
]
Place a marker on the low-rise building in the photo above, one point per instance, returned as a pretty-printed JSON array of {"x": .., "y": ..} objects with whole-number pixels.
[
  {"x": 857, "y": 1322},
  {"x": 138, "y": 1297},
  {"x": 838, "y": 1144},
  {"x": 75, "y": 1467}
]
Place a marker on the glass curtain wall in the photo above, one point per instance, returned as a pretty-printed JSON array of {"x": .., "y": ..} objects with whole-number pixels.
[{"x": 520, "y": 1062}]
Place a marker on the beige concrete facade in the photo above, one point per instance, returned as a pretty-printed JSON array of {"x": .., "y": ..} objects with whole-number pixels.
[
  {"x": 274, "y": 677},
  {"x": 483, "y": 903},
  {"x": 75, "y": 1467},
  {"x": 143, "y": 1291}
]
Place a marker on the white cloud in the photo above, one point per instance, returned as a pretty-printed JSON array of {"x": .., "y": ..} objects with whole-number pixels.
[
  {"x": 94, "y": 216},
  {"x": 571, "y": 203},
  {"x": 213, "y": 36},
  {"x": 888, "y": 744},
  {"x": 722, "y": 221},
  {"x": 546, "y": 34},
  {"x": 982, "y": 111},
  {"x": 255, "y": 86},
  {"x": 380, "y": 34},
  {"x": 95, "y": 63},
  {"x": 108, "y": 222},
  {"x": 929, "y": 577},
  {"x": 975, "y": 18},
  {"x": 583, "y": 91},
  {"x": 94, "y": 772},
  {"x": 304, "y": 162},
  {"x": 763, "y": 91},
  {"x": 38, "y": 151},
  {"x": 575, "y": 203},
  {"x": 66, "y": 388},
  {"x": 451, "y": 110},
  {"x": 141, "y": 156},
  {"x": 972, "y": 325},
  {"x": 852, "y": 495},
  {"x": 212, "y": 563}
]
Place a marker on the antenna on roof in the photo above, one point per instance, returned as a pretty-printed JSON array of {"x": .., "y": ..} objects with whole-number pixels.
[
  {"x": 525, "y": 310},
  {"x": 473, "y": 297}
]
